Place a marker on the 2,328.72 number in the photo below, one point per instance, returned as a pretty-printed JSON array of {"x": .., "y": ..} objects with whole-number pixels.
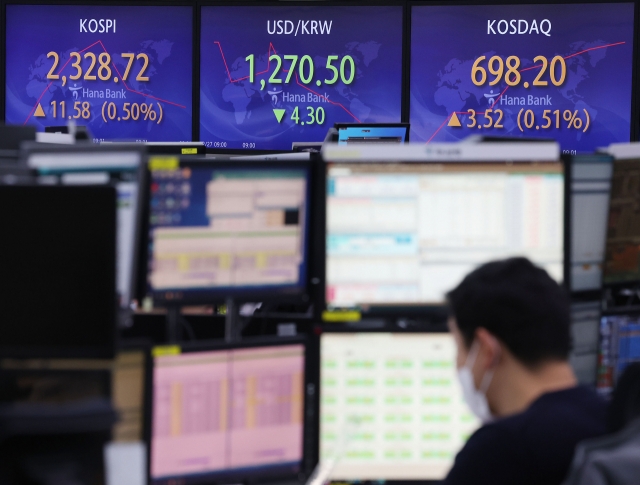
[{"x": 104, "y": 71}]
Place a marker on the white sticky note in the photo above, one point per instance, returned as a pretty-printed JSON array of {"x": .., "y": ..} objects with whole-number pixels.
[{"x": 125, "y": 463}]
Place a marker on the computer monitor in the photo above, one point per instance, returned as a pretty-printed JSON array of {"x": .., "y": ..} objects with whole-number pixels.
[
  {"x": 228, "y": 413},
  {"x": 118, "y": 165},
  {"x": 402, "y": 234},
  {"x": 622, "y": 250},
  {"x": 391, "y": 407},
  {"x": 123, "y": 71},
  {"x": 588, "y": 209},
  {"x": 278, "y": 73},
  {"x": 349, "y": 133},
  {"x": 560, "y": 70},
  {"x": 11, "y": 136},
  {"x": 619, "y": 347},
  {"x": 235, "y": 229},
  {"x": 58, "y": 277},
  {"x": 585, "y": 325}
]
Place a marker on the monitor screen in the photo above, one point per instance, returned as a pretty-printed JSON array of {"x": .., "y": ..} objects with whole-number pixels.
[
  {"x": 101, "y": 166},
  {"x": 224, "y": 414},
  {"x": 58, "y": 275},
  {"x": 585, "y": 324},
  {"x": 622, "y": 253},
  {"x": 224, "y": 229},
  {"x": 619, "y": 347},
  {"x": 561, "y": 71},
  {"x": 590, "y": 186},
  {"x": 274, "y": 75},
  {"x": 406, "y": 233},
  {"x": 353, "y": 134},
  {"x": 391, "y": 407},
  {"x": 125, "y": 72}
]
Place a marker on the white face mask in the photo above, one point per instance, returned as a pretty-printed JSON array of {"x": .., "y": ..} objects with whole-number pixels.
[{"x": 476, "y": 399}]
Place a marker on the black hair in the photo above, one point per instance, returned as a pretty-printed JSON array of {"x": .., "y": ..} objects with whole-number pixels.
[
  {"x": 520, "y": 304},
  {"x": 625, "y": 401}
]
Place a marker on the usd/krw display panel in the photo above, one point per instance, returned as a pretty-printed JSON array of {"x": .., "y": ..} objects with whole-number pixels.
[{"x": 270, "y": 76}]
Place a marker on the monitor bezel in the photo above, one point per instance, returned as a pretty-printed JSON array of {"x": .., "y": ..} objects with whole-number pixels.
[
  {"x": 320, "y": 330},
  {"x": 432, "y": 309},
  {"x": 617, "y": 289},
  {"x": 217, "y": 345},
  {"x": 581, "y": 295},
  {"x": 634, "y": 120},
  {"x": 404, "y": 97},
  {"x": 306, "y": 292},
  {"x": 406, "y": 126}
]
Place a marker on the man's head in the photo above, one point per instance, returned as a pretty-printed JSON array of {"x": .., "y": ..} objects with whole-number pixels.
[{"x": 514, "y": 316}]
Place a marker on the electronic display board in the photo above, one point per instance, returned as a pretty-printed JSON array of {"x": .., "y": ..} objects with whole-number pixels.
[
  {"x": 559, "y": 71},
  {"x": 125, "y": 72},
  {"x": 274, "y": 75}
]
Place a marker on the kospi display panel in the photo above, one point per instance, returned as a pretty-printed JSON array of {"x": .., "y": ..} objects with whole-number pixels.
[
  {"x": 123, "y": 71},
  {"x": 550, "y": 71},
  {"x": 273, "y": 75}
]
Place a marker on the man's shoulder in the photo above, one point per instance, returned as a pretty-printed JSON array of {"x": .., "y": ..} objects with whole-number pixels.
[
  {"x": 492, "y": 454},
  {"x": 575, "y": 414},
  {"x": 546, "y": 432}
]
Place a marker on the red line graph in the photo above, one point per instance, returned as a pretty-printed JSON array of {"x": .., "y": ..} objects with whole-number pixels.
[
  {"x": 536, "y": 66},
  {"x": 116, "y": 69},
  {"x": 272, "y": 48}
]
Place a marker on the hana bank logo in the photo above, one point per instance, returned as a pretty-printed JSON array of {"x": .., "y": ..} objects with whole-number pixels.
[
  {"x": 491, "y": 96},
  {"x": 274, "y": 97},
  {"x": 75, "y": 90}
]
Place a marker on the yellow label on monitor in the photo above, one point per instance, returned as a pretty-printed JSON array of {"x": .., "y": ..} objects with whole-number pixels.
[
  {"x": 189, "y": 151},
  {"x": 164, "y": 350},
  {"x": 163, "y": 163},
  {"x": 335, "y": 316}
]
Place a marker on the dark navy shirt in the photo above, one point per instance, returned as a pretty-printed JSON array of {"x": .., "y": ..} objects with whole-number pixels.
[{"x": 534, "y": 447}]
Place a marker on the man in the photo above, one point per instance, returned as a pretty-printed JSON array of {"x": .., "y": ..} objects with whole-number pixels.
[{"x": 511, "y": 324}]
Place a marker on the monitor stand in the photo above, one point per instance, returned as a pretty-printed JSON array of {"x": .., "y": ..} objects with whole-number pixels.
[
  {"x": 175, "y": 323},
  {"x": 232, "y": 328}
]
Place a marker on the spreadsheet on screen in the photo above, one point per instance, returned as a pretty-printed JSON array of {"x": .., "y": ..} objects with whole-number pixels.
[
  {"x": 391, "y": 407},
  {"x": 221, "y": 410},
  {"x": 407, "y": 233}
]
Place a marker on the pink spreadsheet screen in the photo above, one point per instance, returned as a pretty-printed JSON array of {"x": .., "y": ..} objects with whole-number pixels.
[{"x": 227, "y": 409}]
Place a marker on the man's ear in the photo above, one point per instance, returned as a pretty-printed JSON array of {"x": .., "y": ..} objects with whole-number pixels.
[{"x": 489, "y": 351}]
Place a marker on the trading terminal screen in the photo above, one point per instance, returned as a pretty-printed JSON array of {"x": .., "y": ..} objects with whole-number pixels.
[
  {"x": 349, "y": 135},
  {"x": 391, "y": 407},
  {"x": 406, "y": 233},
  {"x": 222, "y": 412},
  {"x": 219, "y": 229},
  {"x": 622, "y": 257},
  {"x": 619, "y": 347},
  {"x": 590, "y": 185}
]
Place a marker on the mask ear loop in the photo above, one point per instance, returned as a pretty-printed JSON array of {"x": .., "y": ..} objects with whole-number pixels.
[
  {"x": 473, "y": 355},
  {"x": 488, "y": 376}
]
